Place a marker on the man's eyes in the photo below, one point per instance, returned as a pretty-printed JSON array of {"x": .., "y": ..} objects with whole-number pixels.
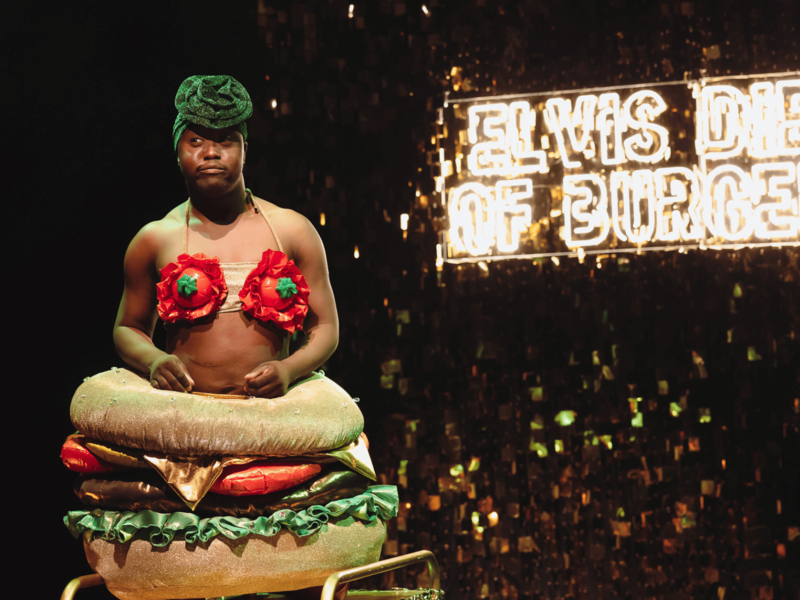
[{"x": 227, "y": 140}]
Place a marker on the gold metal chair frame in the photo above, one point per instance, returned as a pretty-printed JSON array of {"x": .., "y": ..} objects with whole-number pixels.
[{"x": 328, "y": 590}]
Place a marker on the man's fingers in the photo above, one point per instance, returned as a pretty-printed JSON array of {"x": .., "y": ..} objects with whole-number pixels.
[
  {"x": 174, "y": 382},
  {"x": 258, "y": 372},
  {"x": 160, "y": 383},
  {"x": 263, "y": 387},
  {"x": 256, "y": 390},
  {"x": 185, "y": 381},
  {"x": 261, "y": 380},
  {"x": 175, "y": 368},
  {"x": 254, "y": 384},
  {"x": 267, "y": 391}
]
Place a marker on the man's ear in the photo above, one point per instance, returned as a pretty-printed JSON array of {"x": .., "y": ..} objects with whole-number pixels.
[{"x": 244, "y": 153}]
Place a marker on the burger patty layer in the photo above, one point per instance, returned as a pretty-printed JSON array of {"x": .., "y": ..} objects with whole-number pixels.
[{"x": 142, "y": 490}]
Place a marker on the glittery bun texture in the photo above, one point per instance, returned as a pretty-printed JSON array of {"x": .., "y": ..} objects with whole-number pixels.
[
  {"x": 225, "y": 567},
  {"x": 288, "y": 515},
  {"x": 122, "y": 408}
]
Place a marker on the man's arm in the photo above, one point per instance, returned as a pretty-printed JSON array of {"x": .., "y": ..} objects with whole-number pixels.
[
  {"x": 272, "y": 379},
  {"x": 136, "y": 318}
]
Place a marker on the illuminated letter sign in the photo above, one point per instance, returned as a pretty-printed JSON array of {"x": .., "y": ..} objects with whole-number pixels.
[
  {"x": 710, "y": 163},
  {"x": 585, "y": 210}
]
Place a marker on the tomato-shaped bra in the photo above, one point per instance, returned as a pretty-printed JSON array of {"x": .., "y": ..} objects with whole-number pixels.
[
  {"x": 194, "y": 286},
  {"x": 190, "y": 288},
  {"x": 276, "y": 291}
]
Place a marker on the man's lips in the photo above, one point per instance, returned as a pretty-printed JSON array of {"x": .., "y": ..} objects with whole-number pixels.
[{"x": 211, "y": 169}]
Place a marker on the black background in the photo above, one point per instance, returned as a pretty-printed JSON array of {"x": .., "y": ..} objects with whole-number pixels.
[{"x": 90, "y": 88}]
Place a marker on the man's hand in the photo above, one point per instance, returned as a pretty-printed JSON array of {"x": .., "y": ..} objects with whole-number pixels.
[
  {"x": 168, "y": 373},
  {"x": 268, "y": 380}
]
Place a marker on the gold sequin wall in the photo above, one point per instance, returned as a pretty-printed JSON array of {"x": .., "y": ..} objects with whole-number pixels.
[{"x": 625, "y": 427}]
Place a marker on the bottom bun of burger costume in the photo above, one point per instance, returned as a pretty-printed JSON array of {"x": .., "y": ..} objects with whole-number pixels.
[{"x": 191, "y": 496}]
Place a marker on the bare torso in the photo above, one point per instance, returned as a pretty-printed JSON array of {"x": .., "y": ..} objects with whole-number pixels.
[
  {"x": 220, "y": 349},
  {"x": 223, "y": 352}
]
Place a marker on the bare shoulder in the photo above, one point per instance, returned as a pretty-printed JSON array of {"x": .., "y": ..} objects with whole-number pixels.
[
  {"x": 286, "y": 221},
  {"x": 298, "y": 235},
  {"x": 155, "y": 234}
]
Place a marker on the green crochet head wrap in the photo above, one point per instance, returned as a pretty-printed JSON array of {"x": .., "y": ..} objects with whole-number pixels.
[{"x": 213, "y": 101}]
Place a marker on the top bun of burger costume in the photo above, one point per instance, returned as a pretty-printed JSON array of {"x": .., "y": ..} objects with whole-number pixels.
[{"x": 193, "y": 495}]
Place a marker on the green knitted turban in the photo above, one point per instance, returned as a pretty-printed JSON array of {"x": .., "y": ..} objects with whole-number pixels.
[{"x": 213, "y": 101}]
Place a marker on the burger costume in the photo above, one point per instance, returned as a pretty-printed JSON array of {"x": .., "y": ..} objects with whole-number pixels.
[{"x": 191, "y": 495}]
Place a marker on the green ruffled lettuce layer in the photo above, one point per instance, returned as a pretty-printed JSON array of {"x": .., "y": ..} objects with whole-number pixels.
[{"x": 377, "y": 502}]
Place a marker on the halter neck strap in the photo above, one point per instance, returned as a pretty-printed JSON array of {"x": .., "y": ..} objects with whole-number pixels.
[{"x": 257, "y": 208}]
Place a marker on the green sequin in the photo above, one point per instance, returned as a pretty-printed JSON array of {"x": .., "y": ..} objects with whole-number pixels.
[
  {"x": 187, "y": 285},
  {"x": 286, "y": 287},
  {"x": 213, "y": 101}
]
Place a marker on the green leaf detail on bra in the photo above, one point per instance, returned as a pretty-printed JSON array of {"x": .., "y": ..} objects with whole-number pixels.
[
  {"x": 286, "y": 287},
  {"x": 187, "y": 285}
]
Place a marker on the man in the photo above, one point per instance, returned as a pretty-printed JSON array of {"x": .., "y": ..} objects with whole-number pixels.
[{"x": 231, "y": 351}]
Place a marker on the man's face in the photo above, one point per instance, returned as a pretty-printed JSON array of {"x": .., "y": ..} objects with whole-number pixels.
[{"x": 211, "y": 160}]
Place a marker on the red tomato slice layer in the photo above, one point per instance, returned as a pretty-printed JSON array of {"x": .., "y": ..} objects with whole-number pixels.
[
  {"x": 254, "y": 479},
  {"x": 76, "y": 457}
]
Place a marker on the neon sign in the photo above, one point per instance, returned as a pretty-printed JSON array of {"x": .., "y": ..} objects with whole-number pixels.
[{"x": 697, "y": 164}]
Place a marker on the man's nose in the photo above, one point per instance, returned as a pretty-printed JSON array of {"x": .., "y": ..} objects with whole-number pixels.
[{"x": 211, "y": 150}]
